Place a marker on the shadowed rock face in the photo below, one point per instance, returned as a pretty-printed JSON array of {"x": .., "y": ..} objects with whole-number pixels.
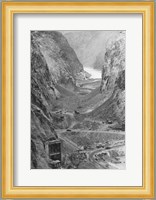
[
  {"x": 42, "y": 94},
  {"x": 113, "y": 83}
]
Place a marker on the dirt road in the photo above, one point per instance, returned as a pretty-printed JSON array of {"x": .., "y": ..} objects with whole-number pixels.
[{"x": 59, "y": 131}]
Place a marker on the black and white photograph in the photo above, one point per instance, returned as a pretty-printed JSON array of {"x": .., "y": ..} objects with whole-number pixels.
[{"x": 78, "y": 99}]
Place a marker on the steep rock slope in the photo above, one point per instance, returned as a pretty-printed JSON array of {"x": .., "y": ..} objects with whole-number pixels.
[
  {"x": 42, "y": 94},
  {"x": 114, "y": 62},
  {"x": 61, "y": 59},
  {"x": 54, "y": 67},
  {"x": 90, "y": 45},
  {"x": 113, "y": 109},
  {"x": 113, "y": 83}
]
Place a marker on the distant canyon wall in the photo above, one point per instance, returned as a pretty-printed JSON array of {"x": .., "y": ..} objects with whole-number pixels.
[{"x": 90, "y": 45}]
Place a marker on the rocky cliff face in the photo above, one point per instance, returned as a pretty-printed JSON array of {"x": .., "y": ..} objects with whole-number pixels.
[
  {"x": 61, "y": 59},
  {"x": 42, "y": 94},
  {"x": 113, "y": 83},
  {"x": 114, "y": 62},
  {"x": 53, "y": 63}
]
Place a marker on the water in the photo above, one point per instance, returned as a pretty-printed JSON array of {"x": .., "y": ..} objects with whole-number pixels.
[{"x": 94, "y": 73}]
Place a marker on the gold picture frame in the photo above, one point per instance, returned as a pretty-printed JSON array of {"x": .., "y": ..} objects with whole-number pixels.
[{"x": 9, "y": 9}]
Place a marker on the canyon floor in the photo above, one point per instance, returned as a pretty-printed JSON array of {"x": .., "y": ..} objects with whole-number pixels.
[{"x": 87, "y": 142}]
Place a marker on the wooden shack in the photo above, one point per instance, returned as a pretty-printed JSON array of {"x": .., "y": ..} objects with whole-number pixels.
[{"x": 53, "y": 149}]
